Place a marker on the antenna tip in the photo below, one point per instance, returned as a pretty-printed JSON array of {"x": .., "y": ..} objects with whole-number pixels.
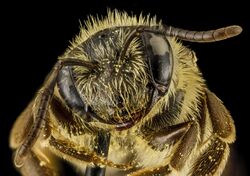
[{"x": 233, "y": 30}]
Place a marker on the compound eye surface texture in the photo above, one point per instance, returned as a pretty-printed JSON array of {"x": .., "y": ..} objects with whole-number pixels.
[
  {"x": 159, "y": 55},
  {"x": 68, "y": 90}
]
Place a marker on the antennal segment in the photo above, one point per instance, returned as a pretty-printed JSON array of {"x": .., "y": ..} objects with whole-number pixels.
[{"x": 204, "y": 36}]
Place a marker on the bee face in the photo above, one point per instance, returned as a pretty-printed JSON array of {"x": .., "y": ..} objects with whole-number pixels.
[{"x": 128, "y": 69}]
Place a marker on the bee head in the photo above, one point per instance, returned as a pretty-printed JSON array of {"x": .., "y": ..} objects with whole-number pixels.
[{"x": 133, "y": 69}]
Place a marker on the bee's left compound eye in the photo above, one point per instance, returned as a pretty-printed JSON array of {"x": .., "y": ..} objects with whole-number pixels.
[{"x": 159, "y": 55}]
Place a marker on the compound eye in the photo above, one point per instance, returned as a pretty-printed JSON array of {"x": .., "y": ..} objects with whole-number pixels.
[
  {"x": 68, "y": 90},
  {"x": 159, "y": 54}
]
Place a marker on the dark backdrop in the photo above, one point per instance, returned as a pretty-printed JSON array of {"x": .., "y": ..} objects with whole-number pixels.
[{"x": 34, "y": 34}]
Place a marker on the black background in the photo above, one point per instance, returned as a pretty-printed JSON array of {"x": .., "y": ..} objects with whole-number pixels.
[{"x": 34, "y": 34}]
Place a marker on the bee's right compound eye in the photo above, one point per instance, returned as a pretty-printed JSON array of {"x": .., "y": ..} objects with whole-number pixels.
[
  {"x": 68, "y": 90},
  {"x": 159, "y": 55}
]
